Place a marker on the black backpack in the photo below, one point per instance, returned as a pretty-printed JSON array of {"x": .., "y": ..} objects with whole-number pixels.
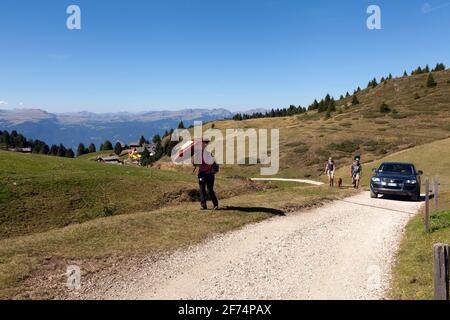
[{"x": 215, "y": 167}]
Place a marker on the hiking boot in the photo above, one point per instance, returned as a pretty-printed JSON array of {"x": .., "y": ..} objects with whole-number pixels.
[
  {"x": 216, "y": 208},
  {"x": 203, "y": 208}
]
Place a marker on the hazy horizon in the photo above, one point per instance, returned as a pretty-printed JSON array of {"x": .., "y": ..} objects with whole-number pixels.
[{"x": 135, "y": 56}]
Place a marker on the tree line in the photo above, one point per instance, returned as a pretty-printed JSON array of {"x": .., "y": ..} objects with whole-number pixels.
[
  {"x": 15, "y": 140},
  {"x": 328, "y": 104},
  {"x": 162, "y": 145}
]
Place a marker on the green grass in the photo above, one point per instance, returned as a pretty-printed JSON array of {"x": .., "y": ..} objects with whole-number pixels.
[
  {"x": 96, "y": 154},
  {"x": 433, "y": 159},
  {"x": 39, "y": 193},
  {"x": 24, "y": 259},
  {"x": 406, "y": 126},
  {"x": 54, "y": 211},
  {"x": 413, "y": 273}
]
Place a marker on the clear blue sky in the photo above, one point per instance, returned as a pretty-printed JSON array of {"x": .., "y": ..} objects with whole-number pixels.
[{"x": 238, "y": 54}]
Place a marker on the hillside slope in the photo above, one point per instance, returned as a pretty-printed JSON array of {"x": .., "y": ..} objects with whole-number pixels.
[
  {"x": 39, "y": 193},
  {"x": 416, "y": 115},
  {"x": 432, "y": 158},
  {"x": 413, "y": 272}
]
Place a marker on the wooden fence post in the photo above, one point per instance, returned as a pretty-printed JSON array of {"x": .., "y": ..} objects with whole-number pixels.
[
  {"x": 436, "y": 192},
  {"x": 441, "y": 272},
  {"x": 427, "y": 205}
]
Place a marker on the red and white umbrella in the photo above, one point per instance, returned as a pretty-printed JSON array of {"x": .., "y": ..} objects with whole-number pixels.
[{"x": 187, "y": 150}]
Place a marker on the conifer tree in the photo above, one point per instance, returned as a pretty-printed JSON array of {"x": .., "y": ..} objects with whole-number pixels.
[
  {"x": 118, "y": 148},
  {"x": 431, "y": 83},
  {"x": 81, "y": 150},
  {"x": 92, "y": 148},
  {"x": 70, "y": 153}
]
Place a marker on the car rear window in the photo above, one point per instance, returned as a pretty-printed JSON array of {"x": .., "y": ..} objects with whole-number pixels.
[{"x": 397, "y": 168}]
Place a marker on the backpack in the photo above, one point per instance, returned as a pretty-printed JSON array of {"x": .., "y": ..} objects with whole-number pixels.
[{"x": 215, "y": 167}]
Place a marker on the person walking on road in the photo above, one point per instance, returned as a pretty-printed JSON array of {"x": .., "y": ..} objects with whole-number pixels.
[
  {"x": 330, "y": 169},
  {"x": 356, "y": 172},
  {"x": 207, "y": 169}
]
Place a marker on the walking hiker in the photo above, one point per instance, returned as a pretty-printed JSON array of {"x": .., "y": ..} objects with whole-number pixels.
[
  {"x": 330, "y": 169},
  {"x": 207, "y": 169},
  {"x": 356, "y": 171}
]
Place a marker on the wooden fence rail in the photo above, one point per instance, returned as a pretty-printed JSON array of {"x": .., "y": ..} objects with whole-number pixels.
[
  {"x": 441, "y": 271},
  {"x": 427, "y": 205}
]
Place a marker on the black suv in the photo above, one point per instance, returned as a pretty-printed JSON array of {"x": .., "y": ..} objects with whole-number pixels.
[{"x": 395, "y": 178}]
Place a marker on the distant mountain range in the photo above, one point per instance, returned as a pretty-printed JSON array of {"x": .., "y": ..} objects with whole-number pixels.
[{"x": 72, "y": 128}]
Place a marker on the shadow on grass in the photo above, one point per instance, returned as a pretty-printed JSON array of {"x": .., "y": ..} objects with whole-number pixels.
[{"x": 273, "y": 211}]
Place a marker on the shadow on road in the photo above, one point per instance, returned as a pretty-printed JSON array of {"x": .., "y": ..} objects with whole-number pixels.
[
  {"x": 273, "y": 211},
  {"x": 402, "y": 198}
]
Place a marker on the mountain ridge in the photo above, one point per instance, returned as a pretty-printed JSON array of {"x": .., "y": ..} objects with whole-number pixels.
[{"x": 89, "y": 127}]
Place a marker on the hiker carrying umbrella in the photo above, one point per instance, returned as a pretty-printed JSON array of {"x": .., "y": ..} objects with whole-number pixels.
[{"x": 207, "y": 168}]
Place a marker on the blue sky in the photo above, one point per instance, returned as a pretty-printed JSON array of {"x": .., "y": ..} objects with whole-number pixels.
[{"x": 140, "y": 55}]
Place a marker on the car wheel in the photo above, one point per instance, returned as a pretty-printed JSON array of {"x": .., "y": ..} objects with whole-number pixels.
[{"x": 373, "y": 194}]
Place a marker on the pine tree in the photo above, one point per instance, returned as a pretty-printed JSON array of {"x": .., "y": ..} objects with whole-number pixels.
[
  {"x": 156, "y": 138},
  {"x": 431, "y": 83},
  {"x": 373, "y": 83},
  {"x": 81, "y": 150},
  {"x": 405, "y": 74},
  {"x": 118, "y": 148},
  {"x": 355, "y": 100},
  {"x": 384, "y": 108},
  {"x": 4, "y": 139},
  {"x": 143, "y": 141},
  {"x": 106, "y": 146},
  {"x": 53, "y": 150},
  {"x": 92, "y": 148},
  {"x": 145, "y": 159},
  {"x": 439, "y": 67},
  {"x": 45, "y": 149},
  {"x": 61, "y": 151},
  {"x": 181, "y": 125},
  {"x": 70, "y": 153}
]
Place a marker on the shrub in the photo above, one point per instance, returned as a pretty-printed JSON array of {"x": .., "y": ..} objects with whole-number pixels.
[
  {"x": 416, "y": 96},
  {"x": 346, "y": 146},
  {"x": 447, "y": 127},
  {"x": 431, "y": 83},
  {"x": 384, "y": 108}
]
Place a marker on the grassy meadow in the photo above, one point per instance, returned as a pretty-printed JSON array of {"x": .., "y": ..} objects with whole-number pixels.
[
  {"x": 57, "y": 210},
  {"x": 39, "y": 193},
  {"x": 54, "y": 211},
  {"x": 418, "y": 115}
]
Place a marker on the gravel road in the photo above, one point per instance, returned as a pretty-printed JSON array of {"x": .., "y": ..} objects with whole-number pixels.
[{"x": 343, "y": 250}]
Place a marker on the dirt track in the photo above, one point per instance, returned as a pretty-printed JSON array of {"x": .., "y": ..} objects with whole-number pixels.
[{"x": 343, "y": 250}]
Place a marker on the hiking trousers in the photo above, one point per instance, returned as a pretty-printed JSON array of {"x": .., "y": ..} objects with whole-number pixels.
[{"x": 206, "y": 182}]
